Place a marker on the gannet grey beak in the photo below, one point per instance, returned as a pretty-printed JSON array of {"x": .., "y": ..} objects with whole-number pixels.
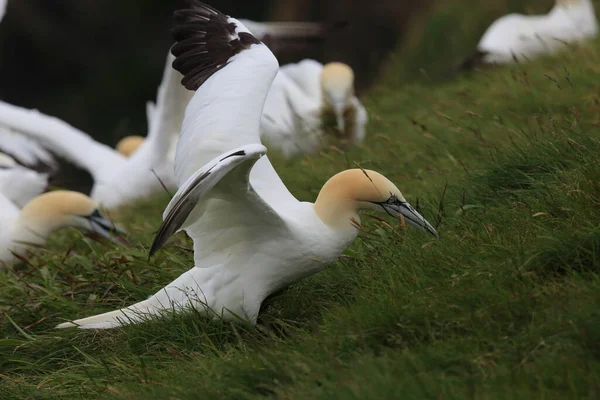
[
  {"x": 411, "y": 216},
  {"x": 105, "y": 228}
]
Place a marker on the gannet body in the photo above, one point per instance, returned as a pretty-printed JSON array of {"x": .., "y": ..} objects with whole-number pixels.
[
  {"x": 118, "y": 180},
  {"x": 251, "y": 236},
  {"x": 20, "y": 184},
  {"x": 301, "y": 100},
  {"x": 517, "y": 37},
  {"x": 24, "y": 230}
]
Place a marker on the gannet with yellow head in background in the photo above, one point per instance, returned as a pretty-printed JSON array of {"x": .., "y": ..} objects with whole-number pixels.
[
  {"x": 24, "y": 230},
  {"x": 251, "y": 236}
]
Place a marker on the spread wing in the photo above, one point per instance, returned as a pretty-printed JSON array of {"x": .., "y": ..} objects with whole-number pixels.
[
  {"x": 231, "y": 172},
  {"x": 231, "y": 72},
  {"x": 62, "y": 139}
]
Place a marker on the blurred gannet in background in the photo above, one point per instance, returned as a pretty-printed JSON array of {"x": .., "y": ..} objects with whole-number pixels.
[
  {"x": 118, "y": 180},
  {"x": 304, "y": 97},
  {"x": 25, "y": 150},
  {"x": 24, "y": 230},
  {"x": 517, "y": 37},
  {"x": 251, "y": 236},
  {"x": 20, "y": 184},
  {"x": 129, "y": 145}
]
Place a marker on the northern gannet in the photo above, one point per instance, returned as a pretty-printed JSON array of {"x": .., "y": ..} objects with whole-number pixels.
[
  {"x": 24, "y": 230},
  {"x": 20, "y": 184},
  {"x": 118, "y": 180},
  {"x": 517, "y": 37},
  {"x": 252, "y": 237},
  {"x": 304, "y": 99}
]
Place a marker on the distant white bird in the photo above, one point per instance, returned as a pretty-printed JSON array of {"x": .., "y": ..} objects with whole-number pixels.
[
  {"x": 118, "y": 180},
  {"x": 517, "y": 37},
  {"x": 20, "y": 184},
  {"x": 302, "y": 101},
  {"x": 251, "y": 236},
  {"x": 25, "y": 230}
]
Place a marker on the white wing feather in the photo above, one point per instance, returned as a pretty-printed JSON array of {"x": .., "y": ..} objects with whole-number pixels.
[{"x": 64, "y": 140}]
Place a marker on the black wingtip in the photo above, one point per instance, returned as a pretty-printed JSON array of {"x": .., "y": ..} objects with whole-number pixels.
[
  {"x": 158, "y": 242},
  {"x": 206, "y": 41}
]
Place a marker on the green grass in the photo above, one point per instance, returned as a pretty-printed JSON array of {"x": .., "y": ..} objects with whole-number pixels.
[{"x": 505, "y": 305}]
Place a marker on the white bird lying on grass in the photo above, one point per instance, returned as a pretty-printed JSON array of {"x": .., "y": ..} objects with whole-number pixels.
[
  {"x": 517, "y": 37},
  {"x": 24, "y": 230},
  {"x": 118, "y": 180},
  {"x": 251, "y": 236},
  {"x": 304, "y": 97},
  {"x": 20, "y": 184}
]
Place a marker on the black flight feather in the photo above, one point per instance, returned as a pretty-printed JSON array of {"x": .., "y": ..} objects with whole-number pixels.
[{"x": 206, "y": 41}]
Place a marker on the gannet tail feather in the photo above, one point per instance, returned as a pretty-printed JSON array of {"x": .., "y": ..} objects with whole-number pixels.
[
  {"x": 136, "y": 313},
  {"x": 197, "y": 186},
  {"x": 206, "y": 41}
]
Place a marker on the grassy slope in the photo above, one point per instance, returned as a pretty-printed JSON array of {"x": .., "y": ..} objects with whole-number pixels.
[{"x": 505, "y": 305}]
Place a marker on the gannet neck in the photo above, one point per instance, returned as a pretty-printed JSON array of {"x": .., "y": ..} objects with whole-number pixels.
[
  {"x": 52, "y": 211},
  {"x": 352, "y": 190},
  {"x": 129, "y": 144}
]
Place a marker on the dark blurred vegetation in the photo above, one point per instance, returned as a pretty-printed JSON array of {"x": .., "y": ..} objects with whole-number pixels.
[{"x": 95, "y": 63}]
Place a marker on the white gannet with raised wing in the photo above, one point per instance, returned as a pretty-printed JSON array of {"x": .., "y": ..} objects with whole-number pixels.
[
  {"x": 304, "y": 99},
  {"x": 24, "y": 230},
  {"x": 517, "y": 37},
  {"x": 118, "y": 180},
  {"x": 20, "y": 184},
  {"x": 252, "y": 237}
]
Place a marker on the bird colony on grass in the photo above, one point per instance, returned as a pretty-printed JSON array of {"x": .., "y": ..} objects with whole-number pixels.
[{"x": 222, "y": 93}]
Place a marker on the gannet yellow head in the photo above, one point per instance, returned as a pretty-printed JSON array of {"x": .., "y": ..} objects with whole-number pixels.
[
  {"x": 129, "y": 144},
  {"x": 59, "y": 209},
  {"x": 337, "y": 83},
  {"x": 352, "y": 190}
]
